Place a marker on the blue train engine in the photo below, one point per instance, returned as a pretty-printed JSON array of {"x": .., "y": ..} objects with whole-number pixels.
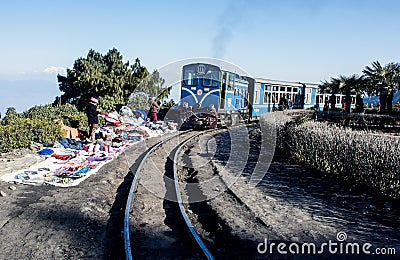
[{"x": 212, "y": 97}]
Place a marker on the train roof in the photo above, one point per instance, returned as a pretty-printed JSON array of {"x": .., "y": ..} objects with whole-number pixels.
[{"x": 286, "y": 83}]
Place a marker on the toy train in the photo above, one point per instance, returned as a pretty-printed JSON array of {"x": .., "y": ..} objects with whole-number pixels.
[{"x": 239, "y": 98}]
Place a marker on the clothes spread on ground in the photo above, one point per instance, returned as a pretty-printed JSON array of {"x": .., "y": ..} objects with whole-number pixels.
[
  {"x": 46, "y": 151},
  {"x": 68, "y": 162}
]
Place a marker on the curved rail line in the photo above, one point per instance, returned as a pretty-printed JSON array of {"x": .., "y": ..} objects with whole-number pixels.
[
  {"x": 127, "y": 241},
  {"x": 189, "y": 224},
  {"x": 126, "y": 231}
]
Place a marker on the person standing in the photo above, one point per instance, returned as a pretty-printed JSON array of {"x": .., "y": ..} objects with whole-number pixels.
[
  {"x": 213, "y": 111},
  {"x": 153, "y": 110},
  {"x": 93, "y": 120},
  {"x": 185, "y": 112}
]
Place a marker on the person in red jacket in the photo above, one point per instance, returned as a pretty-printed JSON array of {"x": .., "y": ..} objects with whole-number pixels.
[{"x": 153, "y": 109}]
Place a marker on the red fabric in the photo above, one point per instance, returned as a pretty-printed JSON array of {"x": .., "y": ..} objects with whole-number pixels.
[
  {"x": 61, "y": 157},
  {"x": 153, "y": 116}
]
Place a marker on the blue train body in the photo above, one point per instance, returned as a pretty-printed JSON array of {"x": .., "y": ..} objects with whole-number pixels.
[{"x": 239, "y": 98}]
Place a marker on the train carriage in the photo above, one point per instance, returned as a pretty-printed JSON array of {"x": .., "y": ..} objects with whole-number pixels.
[
  {"x": 239, "y": 98},
  {"x": 271, "y": 95}
]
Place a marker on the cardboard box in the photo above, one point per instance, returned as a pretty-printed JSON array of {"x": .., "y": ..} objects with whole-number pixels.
[{"x": 69, "y": 132}]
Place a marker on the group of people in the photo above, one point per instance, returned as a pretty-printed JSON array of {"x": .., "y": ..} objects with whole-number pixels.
[
  {"x": 185, "y": 112},
  {"x": 93, "y": 113},
  {"x": 284, "y": 104}
]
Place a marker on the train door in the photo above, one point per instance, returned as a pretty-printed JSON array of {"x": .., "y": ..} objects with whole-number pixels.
[{"x": 223, "y": 90}]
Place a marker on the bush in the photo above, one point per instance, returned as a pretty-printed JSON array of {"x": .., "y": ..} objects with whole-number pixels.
[
  {"x": 364, "y": 159},
  {"x": 38, "y": 124},
  {"x": 24, "y": 130},
  {"x": 68, "y": 113}
]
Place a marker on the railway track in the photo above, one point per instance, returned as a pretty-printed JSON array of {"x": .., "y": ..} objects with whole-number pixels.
[
  {"x": 154, "y": 196},
  {"x": 172, "y": 208}
]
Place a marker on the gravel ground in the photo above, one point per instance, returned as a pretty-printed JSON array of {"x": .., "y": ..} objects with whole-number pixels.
[
  {"x": 303, "y": 206},
  {"x": 291, "y": 204},
  {"x": 83, "y": 222}
]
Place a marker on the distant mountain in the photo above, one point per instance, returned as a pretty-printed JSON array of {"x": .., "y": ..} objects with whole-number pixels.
[{"x": 23, "y": 94}]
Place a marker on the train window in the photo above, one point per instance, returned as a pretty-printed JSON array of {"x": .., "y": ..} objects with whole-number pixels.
[
  {"x": 275, "y": 88},
  {"x": 283, "y": 89},
  {"x": 268, "y": 87},
  {"x": 189, "y": 77},
  {"x": 257, "y": 94},
  {"x": 265, "y": 97},
  {"x": 320, "y": 99},
  {"x": 275, "y": 98},
  {"x": 230, "y": 79},
  {"x": 289, "y": 89},
  {"x": 211, "y": 78},
  {"x": 294, "y": 90},
  {"x": 308, "y": 95}
]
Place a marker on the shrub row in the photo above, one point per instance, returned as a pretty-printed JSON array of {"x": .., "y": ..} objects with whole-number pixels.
[
  {"x": 367, "y": 160},
  {"x": 357, "y": 118},
  {"x": 38, "y": 124},
  {"x": 68, "y": 113},
  {"x": 24, "y": 130}
]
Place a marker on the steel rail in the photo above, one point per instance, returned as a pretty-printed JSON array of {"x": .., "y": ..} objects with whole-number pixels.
[
  {"x": 189, "y": 224},
  {"x": 127, "y": 241},
  {"x": 126, "y": 233}
]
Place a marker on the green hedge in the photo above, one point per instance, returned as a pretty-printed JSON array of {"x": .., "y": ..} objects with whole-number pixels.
[
  {"x": 38, "y": 124},
  {"x": 24, "y": 130},
  {"x": 69, "y": 115},
  {"x": 367, "y": 160}
]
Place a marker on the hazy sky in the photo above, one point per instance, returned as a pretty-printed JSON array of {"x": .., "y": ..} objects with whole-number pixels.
[{"x": 307, "y": 40}]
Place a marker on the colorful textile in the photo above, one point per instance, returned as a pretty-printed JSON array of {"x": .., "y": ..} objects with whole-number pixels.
[
  {"x": 72, "y": 144},
  {"x": 96, "y": 158},
  {"x": 46, "y": 151},
  {"x": 62, "y": 156}
]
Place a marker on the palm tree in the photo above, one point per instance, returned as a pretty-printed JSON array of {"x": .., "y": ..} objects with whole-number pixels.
[
  {"x": 384, "y": 81},
  {"x": 330, "y": 87},
  {"x": 352, "y": 85}
]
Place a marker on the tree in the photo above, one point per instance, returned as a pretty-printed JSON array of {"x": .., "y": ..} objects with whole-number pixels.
[
  {"x": 383, "y": 80},
  {"x": 152, "y": 85},
  {"x": 104, "y": 76},
  {"x": 352, "y": 85},
  {"x": 10, "y": 117},
  {"x": 333, "y": 88}
]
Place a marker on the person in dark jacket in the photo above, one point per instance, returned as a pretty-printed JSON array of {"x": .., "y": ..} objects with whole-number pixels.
[{"x": 93, "y": 120}]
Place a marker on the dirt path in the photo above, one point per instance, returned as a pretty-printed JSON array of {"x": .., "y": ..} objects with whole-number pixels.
[
  {"x": 83, "y": 222},
  {"x": 294, "y": 204},
  {"x": 303, "y": 206}
]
